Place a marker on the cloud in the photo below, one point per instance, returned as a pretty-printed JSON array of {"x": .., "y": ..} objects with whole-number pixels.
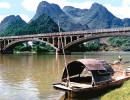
[
  {"x": 31, "y": 5},
  {"x": 121, "y": 11},
  {"x": 126, "y": 3},
  {"x": 5, "y": 5},
  {"x": 25, "y": 17},
  {"x": 2, "y": 17},
  {"x": 63, "y": 3}
]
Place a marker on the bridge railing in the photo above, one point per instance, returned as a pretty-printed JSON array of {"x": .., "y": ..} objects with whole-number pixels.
[{"x": 69, "y": 33}]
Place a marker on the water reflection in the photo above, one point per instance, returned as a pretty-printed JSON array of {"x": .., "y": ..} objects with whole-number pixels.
[{"x": 30, "y": 76}]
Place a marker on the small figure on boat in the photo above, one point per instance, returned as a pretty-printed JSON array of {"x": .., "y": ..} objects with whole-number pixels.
[{"x": 120, "y": 58}]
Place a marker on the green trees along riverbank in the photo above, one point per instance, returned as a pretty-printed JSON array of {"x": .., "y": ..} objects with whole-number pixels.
[
  {"x": 112, "y": 44},
  {"x": 37, "y": 47},
  {"x": 120, "y": 43}
]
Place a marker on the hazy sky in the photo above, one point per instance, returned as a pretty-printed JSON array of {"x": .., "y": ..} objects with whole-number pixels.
[{"x": 27, "y": 8}]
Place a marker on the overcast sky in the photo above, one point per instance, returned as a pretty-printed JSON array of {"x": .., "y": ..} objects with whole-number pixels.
[{"x": 27, "y": 8}]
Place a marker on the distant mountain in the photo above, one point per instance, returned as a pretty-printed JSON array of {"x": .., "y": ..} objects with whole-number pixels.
[
  {"x": 74, "y": 12},
  {"x": 43, "y": 24},
  {"x": 57, "y": 14},
  {"x": 70, "y": 18},
  {"x": 97, "y": 17},
  {"x": 52, "y": 10},
  {"x": 7, "y": 21},
  {"x": 73, "y": 19},
  {"x": 13, "y": 28},
  {"x": 126, "y": 22}
]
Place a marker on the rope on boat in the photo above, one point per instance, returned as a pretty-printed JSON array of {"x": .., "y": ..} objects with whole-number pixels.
[{"x": 64, "y": 55}]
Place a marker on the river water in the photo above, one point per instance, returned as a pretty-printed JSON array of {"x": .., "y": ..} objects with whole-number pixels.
[{"x": 30, "y": 76}]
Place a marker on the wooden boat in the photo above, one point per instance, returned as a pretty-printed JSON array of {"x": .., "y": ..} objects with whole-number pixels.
[{"x": 92, "y": 76}]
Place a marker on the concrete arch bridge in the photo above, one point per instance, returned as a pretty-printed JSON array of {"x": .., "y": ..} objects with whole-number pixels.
[{"x": 68, "y": 39}]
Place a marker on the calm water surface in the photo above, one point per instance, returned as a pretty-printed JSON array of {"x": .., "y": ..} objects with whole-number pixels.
[{"x": 30, "y": 76}]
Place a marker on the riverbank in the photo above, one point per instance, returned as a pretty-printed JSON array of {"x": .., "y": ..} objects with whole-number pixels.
[
  {"x": 99, "y": 52},
  {"x": 122, "y": 93},
  {"x": 26, "y": 52}
]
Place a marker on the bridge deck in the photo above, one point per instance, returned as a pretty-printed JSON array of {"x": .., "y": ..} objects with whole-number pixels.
[{"x": 124, "y": 29}]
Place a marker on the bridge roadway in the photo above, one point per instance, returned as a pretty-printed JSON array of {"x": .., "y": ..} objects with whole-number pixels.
[{"x": 68, "y": 39}]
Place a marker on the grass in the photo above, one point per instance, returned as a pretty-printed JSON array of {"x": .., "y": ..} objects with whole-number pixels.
[{"x": 122, "y": 93}]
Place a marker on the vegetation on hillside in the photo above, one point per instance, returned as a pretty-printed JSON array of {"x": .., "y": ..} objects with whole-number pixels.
[
  {"x": 43, "y": 24},
  {"x": 93, "y": 45},
  {"x": 7, "y": 21},
  {"x": 14, "y": 28},
  {"x": 123, "y": 43},
  {"x": 113, "y": 44},
  {"x": 122, "y": 93}
]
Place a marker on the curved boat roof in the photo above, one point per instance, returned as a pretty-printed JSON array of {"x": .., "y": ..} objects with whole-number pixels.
[
  {"x": 91, "y": 64},
  {"x": 76, "y": 67}
]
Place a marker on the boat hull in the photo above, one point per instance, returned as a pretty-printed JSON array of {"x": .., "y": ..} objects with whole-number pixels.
[{"x": 104, "y": 87}]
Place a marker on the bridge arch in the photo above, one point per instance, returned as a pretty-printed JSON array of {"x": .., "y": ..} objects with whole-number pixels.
[
  {"x": 12, "y": 44},
  {"x": 69, "y": 38},
  {"x": 92, "y": 37}
]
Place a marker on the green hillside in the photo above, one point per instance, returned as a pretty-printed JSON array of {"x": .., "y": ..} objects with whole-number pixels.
[
  {"x": 8, "y": 20},
  {"x": 43, "y": 24},
  {"x": 121, "y": 41},
  {"x": 14, "y": 28}
]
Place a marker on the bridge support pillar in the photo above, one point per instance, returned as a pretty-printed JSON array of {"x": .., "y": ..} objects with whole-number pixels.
[
  {"x": 8, "y": 42},
  {"x": 71, "y": 39},
  {"x": 53, "y": 39},
  {"x": 4, "y": 43},
  {"x": 0, "y": 46},
  {"x": 59, "y": 43},
  {"x": 64, "y": 41}
]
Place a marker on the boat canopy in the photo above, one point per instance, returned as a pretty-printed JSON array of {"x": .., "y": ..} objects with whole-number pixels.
[{"x": 100, "y": 69}]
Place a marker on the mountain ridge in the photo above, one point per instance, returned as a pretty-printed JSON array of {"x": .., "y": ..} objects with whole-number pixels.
[
  {"x": 7, "y": 21},
  {"x": 97, "y": 14},
  {"x": 74, "y": 19},
  {"x": 43, "y": 24},
  {"x": 57, "y": 14}
]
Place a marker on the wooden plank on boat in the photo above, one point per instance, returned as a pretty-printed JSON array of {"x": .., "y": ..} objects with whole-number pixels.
[
  {"x": 62, "y": 87},
  {"x": 80, "y": 85}
]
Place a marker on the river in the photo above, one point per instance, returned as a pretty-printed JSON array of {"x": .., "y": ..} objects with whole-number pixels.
[{"x": 30, "y": 76}]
